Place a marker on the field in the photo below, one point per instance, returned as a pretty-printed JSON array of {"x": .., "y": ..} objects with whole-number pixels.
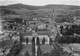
[
  {"x": 46, "y": 48},
  {"x": 26, "y": 48}
]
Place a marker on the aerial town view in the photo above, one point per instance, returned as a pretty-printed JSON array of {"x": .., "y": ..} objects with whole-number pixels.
[{"x": 39, "y": 30}]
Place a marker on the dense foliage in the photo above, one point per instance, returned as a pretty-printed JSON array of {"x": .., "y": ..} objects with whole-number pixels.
[
  {"x": 38, "y": 41},
  {"x": 50, "y": 41},
  {"x": 70, "y": 30},
  {"x": 15, "y": 49},
  {"x": 43, "y": 41},
  {"x": 33, "y": 46},
  {"x": 58, "y": 51},
  {"x": 69, "y": 39},
  {"x": 27, "y": 40},
  {"x": 39, "y": 52}
]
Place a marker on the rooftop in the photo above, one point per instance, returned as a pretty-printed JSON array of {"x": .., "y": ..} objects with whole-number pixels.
[
  {"x": 27, "y": 33},
  {"x": 37, "y": 30},
  {"x": 44, "y": 33}
]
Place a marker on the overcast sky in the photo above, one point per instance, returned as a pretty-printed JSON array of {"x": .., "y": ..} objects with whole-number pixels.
[{"x": 40, "y": 2}]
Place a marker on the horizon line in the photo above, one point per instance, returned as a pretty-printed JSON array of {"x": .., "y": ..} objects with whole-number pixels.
[{"x": 40, "y": 5}]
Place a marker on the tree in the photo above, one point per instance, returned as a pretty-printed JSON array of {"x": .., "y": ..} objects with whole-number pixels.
[
  {"x": 21, "y": 38},
  {"x": 57, "y": 47},
  {"x": 19, "y": 55},
  {"x": 43, "y": 41},
  {"x": 50, "y": 41},
  {"x": 4, "y": 51},
  {"x": 15, "y": 41},
  {"x": 33, "y": 46},
  {"x": 33, "y": 50},
  {"x": 68, "y": 39},
  {"x": 39, "y": 52},
  {"x": 27, "y": 54},
  {"x": 38, "y": 41},
  {"x": 33, "y": 41},
  {"x": 61, "y": 27},
  {"x": 54, "y": 53},
  {"x": 12, "y": 55},
  {"x": 27, "y": 40},
  {"x": 15, "y": 49},
  {"x": 65, "y": 53},
  {"x": 57, "y": 50}
]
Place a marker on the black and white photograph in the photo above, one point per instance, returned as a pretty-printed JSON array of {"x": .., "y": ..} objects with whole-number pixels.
[{"x": 39, "y": 27}]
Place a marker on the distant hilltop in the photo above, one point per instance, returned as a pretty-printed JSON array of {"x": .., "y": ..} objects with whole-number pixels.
[
  {"x": 52, "y": 10},
  {"x": 20, "y": 5}
]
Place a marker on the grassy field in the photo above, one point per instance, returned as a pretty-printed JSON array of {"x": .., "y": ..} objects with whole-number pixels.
[
  {"x": 46, "y": 48},
  {"x": 26, "y": 48}
]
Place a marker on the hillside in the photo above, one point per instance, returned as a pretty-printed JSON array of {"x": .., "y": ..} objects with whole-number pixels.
[{"x": 52, "y": 11}]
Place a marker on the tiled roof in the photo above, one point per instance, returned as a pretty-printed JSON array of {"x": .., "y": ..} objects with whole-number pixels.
[
  {"x": 44, "y": 33},
  {"x": 41, "y": 30},
  {"x": 27, "y": 33}
]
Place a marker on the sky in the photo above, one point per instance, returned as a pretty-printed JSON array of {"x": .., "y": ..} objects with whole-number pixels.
[{"x": 40, "y": 2}]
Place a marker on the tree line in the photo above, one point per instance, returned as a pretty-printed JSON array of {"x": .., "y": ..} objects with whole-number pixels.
[
  {"x": 70, "y": 30},
  {"x": 68, "y": 39},
  {"x": 15, "y": 49}
]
